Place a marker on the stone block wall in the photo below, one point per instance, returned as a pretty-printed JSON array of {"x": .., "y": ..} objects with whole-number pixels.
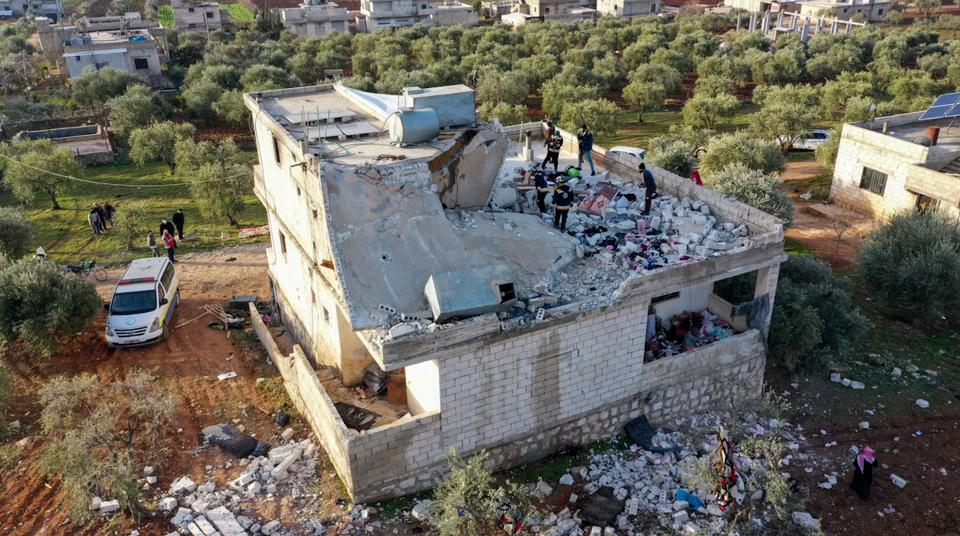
[{"x": 703, "y": 378}]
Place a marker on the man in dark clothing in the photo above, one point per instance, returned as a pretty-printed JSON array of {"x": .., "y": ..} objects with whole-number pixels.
[
  {"x": 650, "y": 185},
  {"x": 553, "y": 151},
  {"x": 108, "y": 211},
  {"x": 585, "y": 141},
  {"x": 562, "y": 200},
  {"x": 178, "y": 221},
  {"x": 165, "y": 225},
  {"x": 551, "y": 130},
  {"x": 102, "y": 215},
  {"x": 543, "y": 188}
]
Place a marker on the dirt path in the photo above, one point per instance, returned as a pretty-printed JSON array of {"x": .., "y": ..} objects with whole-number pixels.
[{"x": 188, "y": 363}]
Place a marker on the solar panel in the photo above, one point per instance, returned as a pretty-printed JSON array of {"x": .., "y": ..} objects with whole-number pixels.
[{"x": 945, "y": 106}]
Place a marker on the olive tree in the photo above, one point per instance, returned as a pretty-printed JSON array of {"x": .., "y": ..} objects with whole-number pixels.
[
  {"x": 505, "y": 113},
  {"x": 557, "y": 94},
  {"x": 41, "y": 306},
  {"x": 672, "y": 155},
  {"x": 645, "y": 97},
  {"x": 926, "y": 249},
  {"x": 220, "y": 181},
  {"x": 753, "y": 187},
  {"x": 601, "y": 115},
  {"x": 785, "y": 113},
  {"x": 99, "y": 436},
  {"x": 39, "y": 167},
  {"x": 137, "y": 108},
  {"x": 707, "y": 112},
  {"x": 94, "y": 87},
  {"x": 740, "y": 148},
  {"x": 496, "y": 87},
  {"x": 158, "y": 142}
]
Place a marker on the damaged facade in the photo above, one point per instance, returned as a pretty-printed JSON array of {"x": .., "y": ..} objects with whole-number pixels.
[
  {"x": 424, "y": 264},
  {"x": 898, "y": 163}
]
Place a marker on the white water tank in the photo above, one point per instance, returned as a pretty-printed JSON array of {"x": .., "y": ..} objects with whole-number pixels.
[{"x": 414, "y": 126}]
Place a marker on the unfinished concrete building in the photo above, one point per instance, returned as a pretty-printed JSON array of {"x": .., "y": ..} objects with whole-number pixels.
[
  {"x": 316, "y": 18},
  {"x": 628, "y": 8},
  {"x": 89, "y": 144},
  {"x": 200, "y": 17},
  {"x": 413, "y": 258},
  {"x": 52, "y": 9},
  {"x": 98, "y": 43},
  {"x": 897, "y": 163},
  {"x": 554, "y": 10}
]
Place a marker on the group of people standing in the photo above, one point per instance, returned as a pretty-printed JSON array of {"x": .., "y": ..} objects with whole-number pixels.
[
  {"x": 554, "y": 142},
  {"x": 100, "y": 216},
  {"x": 168, "y": 229}
]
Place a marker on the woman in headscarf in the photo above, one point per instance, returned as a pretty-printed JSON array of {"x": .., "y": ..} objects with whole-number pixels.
[
  {"x": 863, "y": 473},
  {"x": 696, "y": 178}
]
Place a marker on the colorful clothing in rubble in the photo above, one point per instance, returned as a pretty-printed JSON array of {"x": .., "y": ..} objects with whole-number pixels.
[{"x": 726, "y": 490}]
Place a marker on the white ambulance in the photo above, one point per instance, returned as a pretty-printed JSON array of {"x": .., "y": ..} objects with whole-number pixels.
[{"x": 143, "y": 303}]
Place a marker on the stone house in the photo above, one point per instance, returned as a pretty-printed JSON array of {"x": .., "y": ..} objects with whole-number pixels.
[
  {"x": 556, "y": 10},
  {"x": 315, "y": 18},
  {"x": 492, "y": 330},
  {"x": 203, "y": 17},
  {"x": 71, "y": 50},
  {"x": 897, "y": 163},
  {"x": 376, "y": 14},
  {"x": 51, "y": 9},
  {"x": 451, "y": 13}
]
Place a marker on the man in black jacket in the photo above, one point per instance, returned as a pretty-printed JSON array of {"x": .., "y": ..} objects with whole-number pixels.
[
  {"x": 178, "y": 221},
  {"x": 562, "y": 201},
  {"x": 553, "y": 151},
  {"x": 165, "y": 225},
  {"x": 543, "y": 188}
]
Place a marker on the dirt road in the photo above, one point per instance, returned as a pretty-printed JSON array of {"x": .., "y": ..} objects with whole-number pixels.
[{"x": 187, "y": 363}]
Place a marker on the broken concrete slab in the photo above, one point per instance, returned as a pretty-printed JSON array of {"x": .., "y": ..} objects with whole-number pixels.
[
  {"x": 806, "y": 521},
  {"x": 287, "y": 462},
  {"x": 183, "y": 485},
  {"x": 107, "y": 507},
  {"x": 602, "y": 508},
  {"x": 423, "y": 510},
  {"x": 226, "y": 523}
]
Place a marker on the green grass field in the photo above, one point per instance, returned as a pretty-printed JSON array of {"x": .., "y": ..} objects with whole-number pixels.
[
  {"x": 239, "y": 13},
  {"x": 67, "y": 238},
  {"x": 165, "y": 16},
  {"x": 635, "y": 134}
]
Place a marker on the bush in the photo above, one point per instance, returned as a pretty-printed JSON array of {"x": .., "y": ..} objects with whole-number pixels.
[
  {"x": 469, "y": 500},
  {"x": 671, "y": 155},
  {"x": 740, "y": 148},
  {"x": 814, "y": 318},
  {"x": 753, "y": 187},
  {"x": 132, "y": 225},
  {"x": 913, "y": 262},
  {"x": 16, "y": 233},
  {"x": 41, "y": 305},
  {"x": 158, "y": 142},
  {"x": 96, "y": 86},
  {"x": 98, "y": 436},
  {"x": 601, "y": 115},
  {"x": 507, "y": 114},
  {"x": 137, "y": 108}
]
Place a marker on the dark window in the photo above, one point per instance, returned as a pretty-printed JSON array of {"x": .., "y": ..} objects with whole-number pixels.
[
  {"x": 546, "y": 11},
  {"x": 276, "y": 149},
  {"x": 326, "y": 316},
  {"x": 190, "y": 10},
  {"x": 873, "y": 180},
  {"x": 140, "y": 64},
  {"x": 298, "y": 191},
  {"x": 507, "y": 292},
  {"x": 78, "y": 59},
  {"x": 665, "y": 297},
  {"x": 314, "y": 213},
  {"x": 134, "y": 303},
  {"x": 167, "y": 277},
  {"x": 880, "y": 12},
  {"x": 209, "y": 14},
  {"x": 283, "y": 244}
]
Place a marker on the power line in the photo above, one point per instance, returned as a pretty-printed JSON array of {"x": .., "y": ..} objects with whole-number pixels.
[{"x": 117, "y": 184}]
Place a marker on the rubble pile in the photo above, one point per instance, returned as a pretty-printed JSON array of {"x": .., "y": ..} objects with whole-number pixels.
[{"x": 637, "y": 484}]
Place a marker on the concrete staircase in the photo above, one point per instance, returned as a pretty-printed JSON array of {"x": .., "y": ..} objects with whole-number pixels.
[{"x": 953, "y": 167}]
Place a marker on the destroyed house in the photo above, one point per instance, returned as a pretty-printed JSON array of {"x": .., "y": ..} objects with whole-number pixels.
[{"x": 407, "y": 260}]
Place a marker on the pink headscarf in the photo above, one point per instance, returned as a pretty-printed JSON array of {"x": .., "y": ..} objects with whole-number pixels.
[
  {"x": 866, "y": 455},
  {"x": 696, "y": 178}
]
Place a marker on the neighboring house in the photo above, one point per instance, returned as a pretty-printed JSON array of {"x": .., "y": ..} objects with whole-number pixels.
[
  {"x": 315, "y": 18},
  {"x": 846, "y": 10},
  {"x": 376, "y": 14},
  {"x": 89, "y": 144},
  {"x": 497, "y": 8},
  {"x": 489, "y": 329},
  {"x": 52, "y": 9},
  {"x": 554, "y": 10},
  {"x": 70, "y": 51},
  {"x": 454, "y": 13},
  {"x": 885, "y": 166},
  {"x": 202, "y": 17},
  {"x": 628, "y": 8}
]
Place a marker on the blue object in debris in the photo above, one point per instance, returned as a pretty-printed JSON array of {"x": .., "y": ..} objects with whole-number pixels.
[
  {"x": 694, "y": 502},
  {"x": 138, "y": 38}
]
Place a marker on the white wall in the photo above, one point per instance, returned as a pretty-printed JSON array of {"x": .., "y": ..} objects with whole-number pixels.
[
  {"x": 76, "y": 63},
  {"x": 693, "y": 299},
  {"x": 423, "y": 387}
]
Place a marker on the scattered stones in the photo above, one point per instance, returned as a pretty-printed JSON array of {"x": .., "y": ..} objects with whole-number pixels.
[
  {"x": 423, "y": 510},
  {"x": 566, "y": 480},
  {"x": 148, "y": 470},
  {"x": 95, "y": 503},
  {"x": 923, "y": 403},
  {"x": 897, "y": 481},
  {"x": 183, "y": 485},
  {"x": 875, "y": 359},
  {"x": 835, "y": 377},
  {"x": 857, "y": 385},
  {"x": 543, "y": 489},
  {"x": 107, "y": 507},
  {"x": 167, "y": 504},
  {"x": 287, "y": 434},
  {"x": 912, "y": 368},
  {"x": 806, "y": 521},
  {"x": 864, "y": 425},
  {"x": 896, "y": 373}
]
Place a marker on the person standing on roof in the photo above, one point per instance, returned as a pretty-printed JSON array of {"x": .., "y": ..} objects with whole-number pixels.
[
  {"x": 543, "y": 188},
  {"x": 585, "y": 141},
  {"x": 562, "y": 201},
  {"x": 553, "y": 151},
  {"x": 650, "y": 184},
  {"x": 550, "y": 131}
]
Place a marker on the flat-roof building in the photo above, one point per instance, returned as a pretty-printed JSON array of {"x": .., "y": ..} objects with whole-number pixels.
[
  {"x": 202, "y": 17},
  {"x": 315, "y": 18}
]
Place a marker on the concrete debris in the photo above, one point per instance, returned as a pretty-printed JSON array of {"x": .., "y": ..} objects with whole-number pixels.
[
  {"x": 566, "y": 480},
  {"x": 897, "y": 481},
  {"x": 806, "y": 521},
  {"x": 168, "y": 504},
  {"x": 183, "y": 485},
  {"x": 95, "y": 503},
  {"x": 107, "y": 507},
  {"x": 287, "y": 434},
  {"x": 423, "y": 510},
  {"x": 864, "y": 425},
  {"x": 835, "y": 377},
  {"x": 543, "y": 489},
  {"x": 896, "y": 372},
  {"x": 911, "y": 369},
  {"x": 148, "y": 471},
  {"x": 923, "y": 403}
]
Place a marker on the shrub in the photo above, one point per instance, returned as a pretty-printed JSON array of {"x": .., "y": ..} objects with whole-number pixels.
[
  {"x": 753, "y": 187},
  {"x": 16, "y": 232},
  {"x": 814, "y": 318},
  {"x": 913, "y": 262},
  {"x": 671, "y": 155},
  {"x": 41, "y": 305},
  {"x": 99, "y": 434},
  {"x": 507, "y": 114},
  {"x": 601, "y": 115},
  {"x": 469, "y": 500}
]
